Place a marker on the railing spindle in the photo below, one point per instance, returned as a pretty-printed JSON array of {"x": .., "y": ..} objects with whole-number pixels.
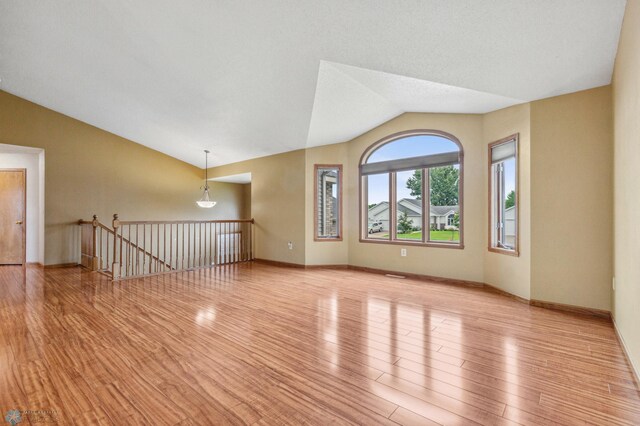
[
  {"x": 170, "y": 246},
  {"x": 200, "y": 245},
  {"x": 125, "y": 251},
  {"x": 158, "y": 248},
  {"x": 108, "y": 251},
  {"x": 216, "y": 234},
  {"x": 115, "y": 265},
  {"x": 154, "y": 237},
  {"x": 188, "y": 245},
  {"x": 182, "y": 252}
]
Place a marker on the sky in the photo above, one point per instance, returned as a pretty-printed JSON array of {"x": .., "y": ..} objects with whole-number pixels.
[
  {"x": 510, "y": 174},
  {"x": 414, "y": 146}
]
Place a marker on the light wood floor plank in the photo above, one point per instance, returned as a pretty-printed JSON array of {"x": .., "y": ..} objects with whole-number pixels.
[{"x": 263, "y": 345}]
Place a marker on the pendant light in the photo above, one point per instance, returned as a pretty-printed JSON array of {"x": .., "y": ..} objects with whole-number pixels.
[{"x": 205, "y": 202}]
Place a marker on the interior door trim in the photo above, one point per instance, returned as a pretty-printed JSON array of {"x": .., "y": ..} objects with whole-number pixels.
[{"x": 24, "y": 211}]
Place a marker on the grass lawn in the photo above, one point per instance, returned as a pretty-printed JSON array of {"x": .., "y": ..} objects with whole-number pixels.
[{"x": 435, "y": 236}]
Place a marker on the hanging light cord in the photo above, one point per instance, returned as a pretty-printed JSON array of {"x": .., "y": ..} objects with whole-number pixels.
[
  {"x": 205, "y": 202},
  {"x": 206, "y": 169}
]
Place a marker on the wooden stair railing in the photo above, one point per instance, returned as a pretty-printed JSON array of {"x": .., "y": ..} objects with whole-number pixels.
[{"x": 141, "y": 248}]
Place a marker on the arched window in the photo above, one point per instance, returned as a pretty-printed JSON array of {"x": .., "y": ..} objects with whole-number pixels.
[{"x": 411, "y": 189}]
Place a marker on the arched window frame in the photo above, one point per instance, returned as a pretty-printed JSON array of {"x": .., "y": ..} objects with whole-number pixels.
[{"x": 363, "y": 190}]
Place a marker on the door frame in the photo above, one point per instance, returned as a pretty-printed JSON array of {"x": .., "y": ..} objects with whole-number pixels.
[{"x": 24, "y": 211}]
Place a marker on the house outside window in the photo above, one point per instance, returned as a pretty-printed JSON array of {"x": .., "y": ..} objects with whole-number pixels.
[
  {"x": 503, "y": 191},
  {"x": 328, "y": 202},
  {"x": 411, "y": 189}
]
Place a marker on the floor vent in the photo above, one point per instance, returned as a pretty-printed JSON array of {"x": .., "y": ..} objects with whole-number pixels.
[{"x": 395, "y": 276}]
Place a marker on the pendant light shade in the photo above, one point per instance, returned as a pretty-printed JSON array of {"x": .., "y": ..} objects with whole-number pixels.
[{"x": 205, "y": 202}]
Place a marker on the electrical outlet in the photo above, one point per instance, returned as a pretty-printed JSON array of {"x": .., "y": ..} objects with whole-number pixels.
[
  {"x": 290, "y": 245},
  {"x": 403, "y": 252},
  {"x": 614, "y": 284}
]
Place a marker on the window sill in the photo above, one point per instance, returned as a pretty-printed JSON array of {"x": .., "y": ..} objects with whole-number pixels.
[
  {"x": 459, "y": 246},
  {"x": 327, "y": 239},
  {"x": 513, "y": 253}
]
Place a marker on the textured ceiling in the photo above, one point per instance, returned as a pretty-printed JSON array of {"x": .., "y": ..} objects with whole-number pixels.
[
  {"x": 252, "y": 78},
  {"x": 350, "y": 101}
]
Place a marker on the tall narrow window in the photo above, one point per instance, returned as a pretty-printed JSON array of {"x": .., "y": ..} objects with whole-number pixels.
[
  {"x": 411, "y": 186},
  {"x": 328, "y": 202},
  {"x": 503, "y": 189},
  {"x": 378, "y": 218}
]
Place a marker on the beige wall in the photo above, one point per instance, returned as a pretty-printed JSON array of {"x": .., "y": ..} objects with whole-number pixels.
[
  {"x": 89, "y": 171},
  {"x": 246, "y": 201},
  {"x": 566, "y": 239},
  {"x": 327, "y": 252},
  {"x": 464, "y": 264},
  {"x": 287, "y": 180},
  {"x": 626, "y": 104},
  {"x": 572, "y": 253},
  {"x": 510, "y": 273},
  {"x": 277, "y": 203},
  {"x": 31, "y": 163},
  {"x": 571, "y": 198}
]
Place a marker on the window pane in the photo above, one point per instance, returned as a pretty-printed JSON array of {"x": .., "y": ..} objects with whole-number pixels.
[
  {"x": 510, "y": 208},
  {"x": 408, "y": 161},
  {"x": 444, "y": 214},
  {"x": 413, "y": 146},
  {"x": 378, "y": 206},
  {"x": 328, "y": 202},
  {"x": 504, "y": 209},
  {"x": 409, "y": 205}
]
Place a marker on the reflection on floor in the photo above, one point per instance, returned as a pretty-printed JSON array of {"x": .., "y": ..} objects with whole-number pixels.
[{"x": 253, "y": 343}]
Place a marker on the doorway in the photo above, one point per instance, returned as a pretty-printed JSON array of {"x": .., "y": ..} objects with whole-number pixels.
[{"x": 13, "y": 201}]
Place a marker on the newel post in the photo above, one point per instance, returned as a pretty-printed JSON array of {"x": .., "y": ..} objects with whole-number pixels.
[
  {"x": 94, "y": 242},
  {"x": 115, "y": 267}
]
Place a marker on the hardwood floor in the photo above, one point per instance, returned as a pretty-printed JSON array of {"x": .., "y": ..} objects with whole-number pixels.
[{"x": 258, "y": 344}]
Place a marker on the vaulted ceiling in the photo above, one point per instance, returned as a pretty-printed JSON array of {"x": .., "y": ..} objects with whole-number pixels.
[{"x": 251, "y": 78}]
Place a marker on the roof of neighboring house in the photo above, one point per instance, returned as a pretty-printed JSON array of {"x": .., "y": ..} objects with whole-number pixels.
[
  {"x": 416, "y": 206},
  {"x": 417, "y": 203},
  {"x": 378, "y": 209},
  {"x": 410, "y": 205},
  {"x": 443, "y": 210},
  {"x": 435, "y": 210}
]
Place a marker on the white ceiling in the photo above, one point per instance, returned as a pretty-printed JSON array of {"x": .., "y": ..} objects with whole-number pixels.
[
  {"x": 241, "y": 77},
  {"x": 239, "y": 178},
  {"x": 17, "y": 149},
  {"x": 350, "y": 101}
]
